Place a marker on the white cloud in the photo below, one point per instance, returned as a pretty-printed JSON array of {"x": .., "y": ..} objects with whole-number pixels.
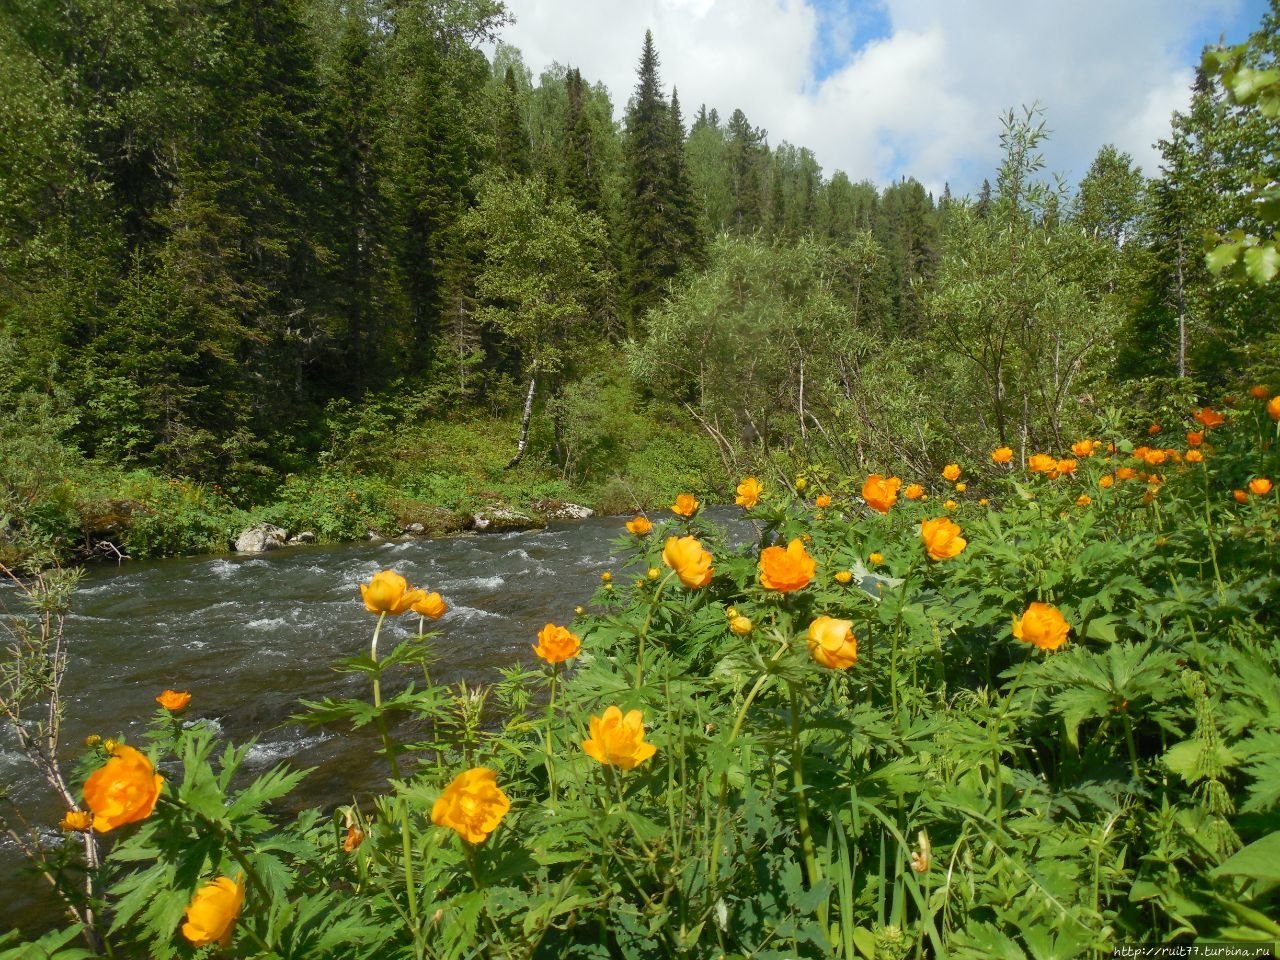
[{"x": 926, "y": 99}]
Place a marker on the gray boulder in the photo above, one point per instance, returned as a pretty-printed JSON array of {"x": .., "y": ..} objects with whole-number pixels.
[
  {"x": 503, "y": 520},
  {"x": 570, "y": 511},
  {"x": 260, "y": 538}
]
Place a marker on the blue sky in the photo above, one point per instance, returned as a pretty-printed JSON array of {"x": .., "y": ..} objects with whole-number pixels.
[{"x": 889, "y": 88}]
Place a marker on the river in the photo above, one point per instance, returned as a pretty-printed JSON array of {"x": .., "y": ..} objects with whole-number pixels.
[{"x": 250, "y": 635}]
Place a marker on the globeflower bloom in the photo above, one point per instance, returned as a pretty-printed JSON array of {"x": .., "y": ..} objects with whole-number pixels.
[
  {"x": 1259, "y": 392},
  {"x": 749, "y": 492},
  {"x": 1126, "y": 473},
  {"x": 1195, "y": 438},
  {"x": 1208, "y": 417},
  {"x": 882, "y": 493},
  {"x": 951, "y": 472},
  {"x": 617, "y": 740},
  {"x": 822, "y": 502},
  {"x": 1042, "y": 625},
  {"x": 1042, "y": 463},
  {"x": 913, "y": 492},
  {"x": 876, "y": 558},
  {"x": 1083, "y": 500},
  {"x": 1067, "y": 467},
  {"x": 212, "y": 912},
  {"x": 1273, "y": 407},
  {"x": 1194, "y": 456},
  {"x": 1083, "y": 448},
  {"x": 173, "y": 701},
  {"x": 1002, "y": 455},
  {"x": 740, "y": 626},
  {"x": 472, "y": 804},
  {"x": 691, "y": 562},
  {"x": 76, "y": 821},
  {"x": 556, "y": 644},
  {"x": 832, "y": 643},
  {"x": 1106, "y": 480},
  {"x": 430, "y": 605},
  {"x": 786, "y": 570},
  {"x": 844, "y": 577},
  {"x": 1240, "y": 496},
  {"x": 639, "y": 526},
  {"x": 1260, "y": 486},
  {"x": 123, "y": 790},
  {"x": 942, "y": 538},
  {"x": 388, "y": 592},
  {"x": 686, "y": 505}
]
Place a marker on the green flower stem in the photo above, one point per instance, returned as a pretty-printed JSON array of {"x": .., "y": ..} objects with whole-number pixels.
[
  {"x": 897, "y": 639},
  {"x": 551, "y": 713},
  {"x": 995, "y": 743},
  {"x": 422, "y": 626},
  {"x": 644, "y": 630},
  {"x": 713, "y": 870},
  {"x": 807, "y": 846}
]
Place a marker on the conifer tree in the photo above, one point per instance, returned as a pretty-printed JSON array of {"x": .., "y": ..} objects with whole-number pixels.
[{"x": 512, "y": 139}]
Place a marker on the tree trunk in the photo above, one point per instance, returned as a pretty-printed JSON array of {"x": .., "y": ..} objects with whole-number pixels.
[{"x": 524, "y": 424}]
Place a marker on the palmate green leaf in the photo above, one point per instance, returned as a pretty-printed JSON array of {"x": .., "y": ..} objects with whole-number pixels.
[
  {"x": 52, "y": 946},
  {"x": 278, "y": 782}
]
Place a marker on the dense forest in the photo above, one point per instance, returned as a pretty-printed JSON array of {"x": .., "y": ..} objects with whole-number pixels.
[{"x": 278, "y": 255}]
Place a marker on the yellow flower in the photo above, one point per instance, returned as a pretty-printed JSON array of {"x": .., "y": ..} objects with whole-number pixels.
[
  {"x": 639, "y": 526},
  {"x": 1042, "y": 463},
  {"x": 692, "y": 564},
  {"x": 1043, "y": 626},
  {"x": 388, "y": 592},
  {"x": 801, "y": 483},
  {"x": 786, "y": 570},
  {"x": 876, "y": 558},
  {"x": 472, "y": 804},
  {"x": 1106, "y": 480},
  {"x": 961, "y": 487},
  {"x": 1194, "y": 456},
  {"x": 951, "y": 472},
  {"x": 881, "y": 493},
  {"x": 1083, "y": 448},
  {"x": 942, "y": 538},
  {"x": 1125, "y": 473},
  {"x": 76, "y": 821},
  {"x": 123, "y": 790},
  {"x": 617, "y": 740},
  {"x": 832, "y": 643},
  {"x": 173, "y": 701},
  {"x": 556, "y": 644},
  {"x": 983, "y": 502},
  {"x": 740, "y": 626},
  {"x": 844, "y": 577},
  {"x": 653, "y": 573},
  {"x": 1083, "y": 500},
  {"x": 749, "y": 492},
  {"x": 1260, "y": 486},
  {"x": 950, "y": 504},
  {"x": 1002, "y": 455},
  {"x": 92, "y": 740},
  {"x": 686, "y": 505},
  {"x": 1066, "y": 466},
  {"x": 212, "y": 912},
  {"x": 822, "y": 502},
  {"x": 606, "y": 577},
  {"x": 913, "y": 492},
  {"x": 430, "y": 605}
]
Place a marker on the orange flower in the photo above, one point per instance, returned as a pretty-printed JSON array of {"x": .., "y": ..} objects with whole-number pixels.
[
  {"x": 1194, "y": 456},
  {"x": 822, "y": 502},
  {"x": 1260, "y": 486},
  {"x": 1153, "y": 458},
  {"x": 430, "y": 605},
  {"x": 1126, "y": 473},
  {"x": 1194, "y": 439},
  {"x": 76, "y": 821},
  {"x": 639, "y": 526},
  {"x": 472, "y": 804},
  {"x": 1083, "y": 500},
  {"x": 1240, "y": 496},
  {"x": 913, "y": 492},
  {"x": 617, "y": 740},
  {"x": 832, "y": 643},
  {"x": 212, "y": 912},
  {"x": 686, "y": 505},
  {"x": 557, "y": 644},
  {"x": 942, "y": 538},
  {"x": 388, "y": 592},
  {"x": 1042, "y": 463},
  {"x": 1083, "y": 448},
  {"x": 1153, "y": 429},
  {"x": 1273, "y": 408},
  {"x": 1002, "y": 455},
  {"x": 1259, "y": 392},
  {"x": 173, "y": 701},
  {"x": 786, "y": 570},
  {"x": 983, "y": 501},
  {"x": 1208, "y": 417},
  {"x": 740, "y": 626},
  {"x": 123, "y": 790},
  {"x": 749, "y": 492},
  {"x": 1042, "y": 626},
  {"x": 692, "y": 564},
  {"x": 951, "y": 472},
  {"x": 1106, "y": 480},
  {"x": 355, "y": 837},
  {"x": 882, "y": 493}
]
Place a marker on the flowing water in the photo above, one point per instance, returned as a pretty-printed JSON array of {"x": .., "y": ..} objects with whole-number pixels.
[{"x": 249, "y": 636}]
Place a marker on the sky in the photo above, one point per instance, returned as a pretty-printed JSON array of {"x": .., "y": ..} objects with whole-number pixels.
[{"x": 883, "y": 89}]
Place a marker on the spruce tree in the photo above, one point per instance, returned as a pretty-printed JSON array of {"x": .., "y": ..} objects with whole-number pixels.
[{"x": 512, "y": 139}]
